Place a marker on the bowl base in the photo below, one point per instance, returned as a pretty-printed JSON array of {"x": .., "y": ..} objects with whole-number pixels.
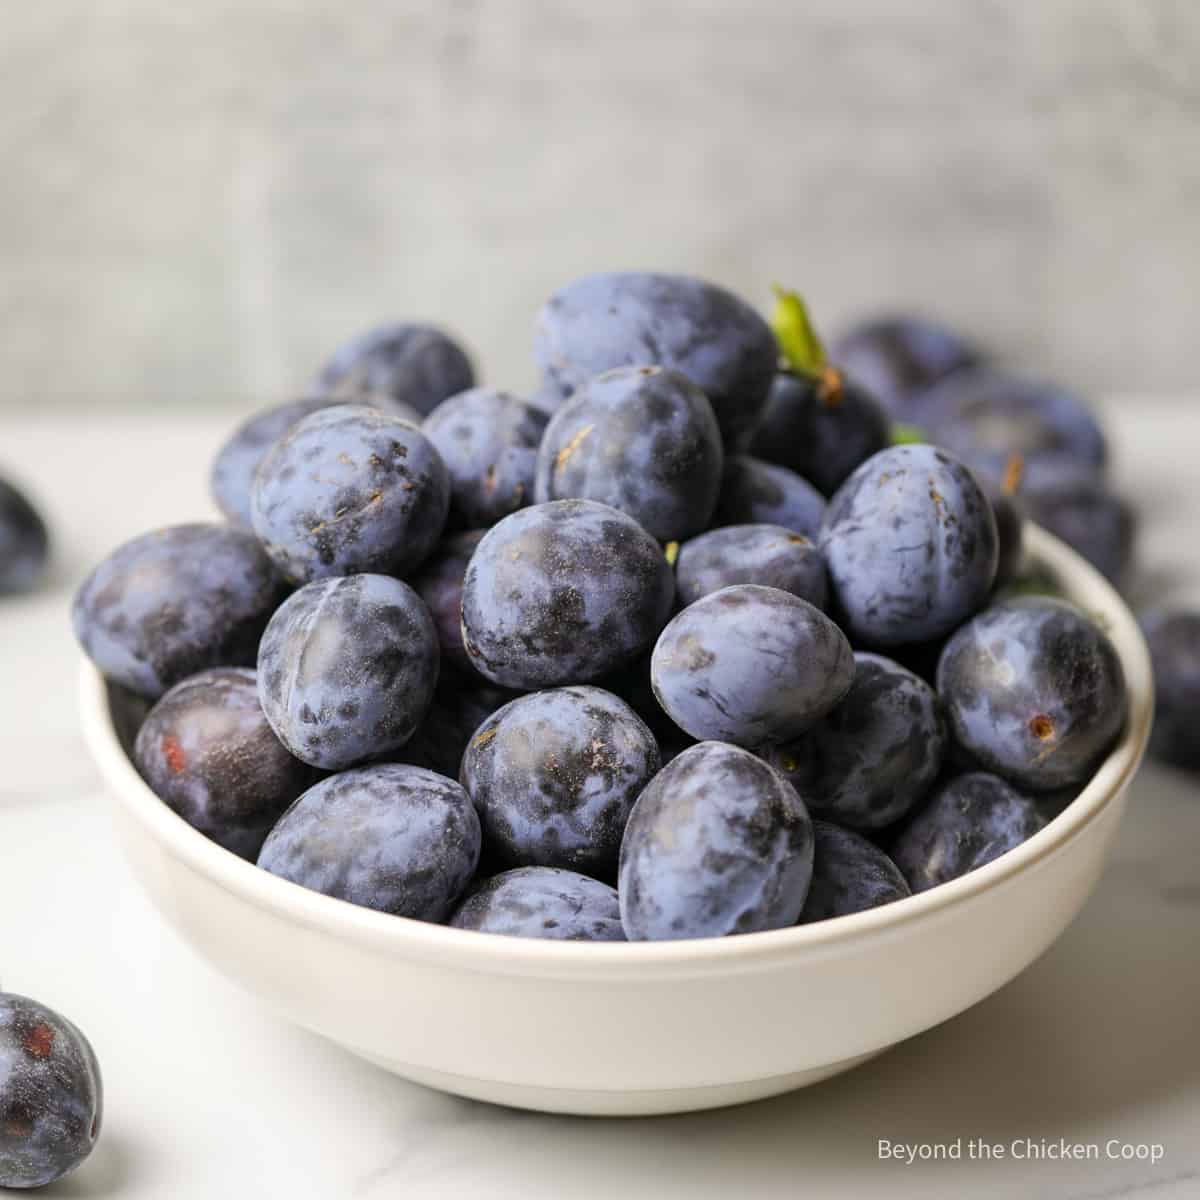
[{"x": 585, "y": 1102}]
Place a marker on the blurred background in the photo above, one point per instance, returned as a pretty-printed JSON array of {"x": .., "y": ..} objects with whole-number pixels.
[{"x": 201, "y": 201}]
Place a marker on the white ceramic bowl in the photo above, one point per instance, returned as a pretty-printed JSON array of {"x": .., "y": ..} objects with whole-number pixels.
[{"x": 633, "y": 1028}]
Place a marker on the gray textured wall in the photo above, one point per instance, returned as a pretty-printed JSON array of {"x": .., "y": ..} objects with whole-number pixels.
[{"x": 199, "y": 200}]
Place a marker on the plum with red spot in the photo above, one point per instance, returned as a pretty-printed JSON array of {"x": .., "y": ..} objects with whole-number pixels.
[{"x": 51, "y": 1096}]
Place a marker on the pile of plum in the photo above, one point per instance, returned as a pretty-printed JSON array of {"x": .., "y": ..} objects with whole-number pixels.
[{"x": 702, "y": 639}]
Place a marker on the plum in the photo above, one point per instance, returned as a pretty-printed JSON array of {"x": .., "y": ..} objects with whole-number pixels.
[
  {"x": 769, "y": 555},
  {"x": 719, "y": 843},
  {"x": 350, "y": 489},
  {"x": 562, "y": 593},
  {"x": 392, "y": 837},
  {"x": 176, "y": 601},
  {"x": 543, "y": 902},
  {"x": 347, "y": 669},
  {"x": 850, "y": 874}
]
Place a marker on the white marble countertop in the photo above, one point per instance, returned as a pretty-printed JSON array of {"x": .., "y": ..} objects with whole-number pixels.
[{"x": 209, "y": 1096}]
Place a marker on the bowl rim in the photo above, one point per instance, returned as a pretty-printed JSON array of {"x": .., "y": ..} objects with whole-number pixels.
[{"x": 472, "y": 950}]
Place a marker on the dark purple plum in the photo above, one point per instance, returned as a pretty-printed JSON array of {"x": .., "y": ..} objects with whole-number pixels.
[
  {"x": 1034, "y": 691},
  {"x": 392, "y": 837},
  {"x": 562, "y": 593},
  {"x": 543, "y": 902},
  {"x": 208, "y": 752},
  {"x": 769, "y": 555},
  {"x": 553, "y": 776},
  {"x": 231, "y": 480},
  {"x": 176, "y": 601},
  {"x": 24, "y": 542},
  {"x": 968, "y": 822},
  {"x": 1093, "y": 520},
  {"x": 347, "y": 669},
  {"x": 750, "y": 665},
  {"x": 985, "y": 417},
  {"x": 1010, "y": 531},
  {"x": 634, "y": 319},
  {"x": 821, "y": 427},
  {"x": 642, "y": 439},
  {"x": 850, "y": 874},
  {"x": 460, "y": 705},
  {"x": 405, "y": 363},
  {"x": 440, "y": 585},
  {"x": 718, "y": 843},
  {"x": 874, "y": 757},
  {"x": 898, "y": 358},
  {"x": 489, "y": 441},
  {"x": 911, "y": 547},
  {"x": 754, "y": 492},
  {"x": 350, "y": 489},
  {"x": 1173, "y": 636},
  {"x": 51, "y": 1096}
]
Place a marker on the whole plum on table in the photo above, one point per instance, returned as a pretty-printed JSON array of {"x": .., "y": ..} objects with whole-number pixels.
[
  {"x": 750, "y": 665},
  {"x": 968, "y": 822},
  {"x": 874, "y": 757},
  {"x": 24, "y": 542},
  {"x": 637, "y": 319},
  {"x": 822, "y": 427},
  {"x": 850, "y": 874},
  {"x": 1034, "y": 691},
  {"x": 350, "y": 489},
  {"x": 543, "y": 902},
  {"x": 439, "y": 583},
  {"x": 208, "y": 752},
  {"x": 347, "y": 669},
  {"x": 176, "y": 601},
  {"x": 553, "y": 776},
  {"x": 642, "y": 439},
  {"x": 898, "y": 358},
  {"x": 562, "y": 593},
  {"x": 911, "y": 547},
  {"x": 392, "y": 837},
  {"x": 489, "y": 441},
  {"x": 1173, "y": 636},
  {"x": 51, "y": 1096},
  {"x": 406, "y": 364},
  {"x": 754, "y": 492},
  {"x": 769, "y": 555},
  {"x": 718, "y": 843}
]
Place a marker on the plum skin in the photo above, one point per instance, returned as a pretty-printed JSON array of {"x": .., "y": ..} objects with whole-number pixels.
[
  {"x": 554, "y": 775},
  {"x": 561, "y": 593},
  {"x": 439, "y": 583},
  {"x": 1173, "y": 638},
  {"x": 850, "y": 874},
  {"x": 489, "y": 441},
  {"x": 208, "y": 752},
  {"x": 874, "y": 757},
  {"x": 719, "y": 843},
  {"x": 750, "y": 665},
  {"x": 643, "y": 439},
  {"x": 24, "y": 542},
  {"x": 1034, "y": 691},
  {"x": 395, "y": 838},
  {"x": 542, "y": 902},
  {"x": 754, "y": 492},
  {"x": 173, "y": 602},
  {"x": 769, "y": 555},
  {"x": 820, "y": 432},
  {"x": 968, "y": 822},
  {"x": 347, "y": 669},
  {"x": 911, "y": 546},
  {"x": 350, "y": 489},
  {"x": 404, "y": 363},
  {"x": 51, "y": 1094},
  {"x": 632, "y": 319}
]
